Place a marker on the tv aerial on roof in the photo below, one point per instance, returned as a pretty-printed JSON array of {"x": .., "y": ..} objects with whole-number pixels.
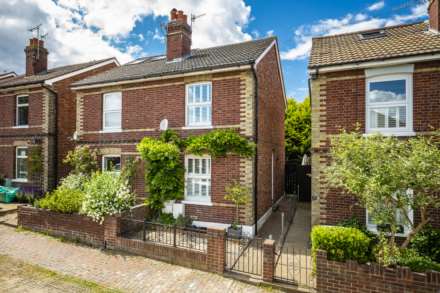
[{"x": 195, "y": 17}]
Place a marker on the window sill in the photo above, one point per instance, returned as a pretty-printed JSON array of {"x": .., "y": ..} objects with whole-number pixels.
[
  {"x": 110, "y": 130},
  {"x": 397, "y": 133},
  {"x": 374, "y": 230},
  {"x": 19, "y": 180},
  {"x": 200, "y": 203},
  {"x": 198, "y": 127},
  {"x": 21, "y": 126}
]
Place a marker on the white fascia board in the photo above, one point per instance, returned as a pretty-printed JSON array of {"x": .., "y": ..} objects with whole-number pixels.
[
  {"x": 163, "y": 77},
  {"x": 68, "y": 75},
  {"x": 8, "y": 75},
  {"x": 370, "y": 64},
  {"x": 280, "y": 71}
]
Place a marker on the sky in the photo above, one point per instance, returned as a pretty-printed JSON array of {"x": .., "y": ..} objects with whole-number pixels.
[{"x": 84, "y": 30}]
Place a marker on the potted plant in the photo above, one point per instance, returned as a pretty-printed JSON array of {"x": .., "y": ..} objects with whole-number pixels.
[{"x": 239, "y": 195}]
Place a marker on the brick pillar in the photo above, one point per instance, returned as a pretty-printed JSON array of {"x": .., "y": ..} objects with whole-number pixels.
[
  {"x": 268, "y": 260},
  {"x": 216, "y": 250},
  {"x": 112, "y": 229}
]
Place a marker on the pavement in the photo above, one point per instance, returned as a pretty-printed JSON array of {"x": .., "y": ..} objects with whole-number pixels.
[
  {"x": 8, "y": 214},
  {"x": 125, "y": 272}
]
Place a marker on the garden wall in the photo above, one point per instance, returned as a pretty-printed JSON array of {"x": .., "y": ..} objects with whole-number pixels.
[{"x": 350, "y": 276}]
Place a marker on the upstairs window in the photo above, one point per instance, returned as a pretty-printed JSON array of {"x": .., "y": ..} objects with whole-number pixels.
[
  {"x": 22, "y": 111},
  {"x": 389, "y": 104},
  {"x": 198, "y": 178},
  {"x": 198, "y": 104},
  {"x": 111, "y": 163},
  {"x": 21, "y": 163},
  {"x": 112, "y": 111}
]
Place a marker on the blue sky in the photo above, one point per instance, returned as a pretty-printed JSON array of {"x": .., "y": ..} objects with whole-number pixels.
[{"x": 81, "y": 30}]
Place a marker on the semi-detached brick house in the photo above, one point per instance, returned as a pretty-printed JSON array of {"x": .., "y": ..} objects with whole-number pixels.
[
  {"x": 238, "y": 86},
  {"x": 37, "y": 110},
  {"x": 388, "y": 80}
]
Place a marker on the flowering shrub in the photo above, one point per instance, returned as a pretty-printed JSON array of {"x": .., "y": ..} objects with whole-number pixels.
[
  {"x": 106, "y": 194},
  {"x": 62, "y": 200},
  {"x": 74, "y": 181}
]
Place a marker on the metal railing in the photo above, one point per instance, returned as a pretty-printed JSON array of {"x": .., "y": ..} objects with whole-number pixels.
[
  {"x": 294, "y": 265},
  {"x": 245, "y": 255},
  {"x": 169, "y": 235}
]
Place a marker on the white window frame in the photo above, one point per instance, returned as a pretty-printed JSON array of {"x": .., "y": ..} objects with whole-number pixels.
[
  {"x": 199, "y": 200},
  {"x": 17, "y": 179},
  {"x": 103, "y": 163},
  {"x": 187, "y": 105},
  {"x": 17, "y": 105},
  {"x": 390, "y": 74},
  {"x": 104, "y": 111}
]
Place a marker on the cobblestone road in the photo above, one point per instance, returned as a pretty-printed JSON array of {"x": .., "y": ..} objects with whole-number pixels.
[{"x": 126, "y": 272}]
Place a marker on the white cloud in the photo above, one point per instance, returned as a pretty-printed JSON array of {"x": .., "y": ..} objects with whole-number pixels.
[
  {"x": 81, "y": 30},
  {"x": 376, "y": 6},
  {"x": 269, "y": 33},
  {"x": 349, "y": 23}
]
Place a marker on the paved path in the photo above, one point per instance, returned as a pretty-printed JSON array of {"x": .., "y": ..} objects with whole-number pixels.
[{"x": 126, "y": 272}]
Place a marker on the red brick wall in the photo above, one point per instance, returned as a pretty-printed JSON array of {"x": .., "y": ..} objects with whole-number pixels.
[
  {"x": 341, "y": 277},
  {"x": 345, "y": 106},
  {"x": 8, "y": 112},
  {"x": 66, "y": 119},
  {"x": 271, "y": 109}
]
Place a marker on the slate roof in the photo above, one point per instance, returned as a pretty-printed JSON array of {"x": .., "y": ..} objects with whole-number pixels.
[
  {"x": 397, "y": 41},
  {"x": 49, "y": 74},
  {"x": 200, "y": 59},
  {"x": 6, "y": 75}
]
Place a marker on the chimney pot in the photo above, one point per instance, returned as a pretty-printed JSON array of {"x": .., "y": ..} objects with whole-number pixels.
[
  {"x": 36, "y": 57},
  {"x": 178, "y": 35},
  {"x": 173, "y": 14},
  {"x": 434, "y": 15}
]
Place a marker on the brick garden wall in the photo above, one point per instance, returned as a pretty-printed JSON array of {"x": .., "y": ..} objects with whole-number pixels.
[
  {"x": 338, "y": 102},
  {"x": 351, "y": 277}
]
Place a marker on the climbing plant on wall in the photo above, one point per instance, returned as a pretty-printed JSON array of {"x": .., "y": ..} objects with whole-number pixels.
[{"x": 163, "y": 160}]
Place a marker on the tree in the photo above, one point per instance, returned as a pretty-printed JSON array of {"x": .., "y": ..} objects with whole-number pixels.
[
  {"x": 388, "y": 174},
  {"x": 297, "y": 129},
  {"x": 239, "y": 195},
  {"x": 83, "y": 160}
]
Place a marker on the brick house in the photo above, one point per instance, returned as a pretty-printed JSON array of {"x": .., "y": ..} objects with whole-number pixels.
[
  {"x": 385, "y": 79},
  {"x": 7, "y": 75},
  {"x": 37, "y": 115},
  {"x": 238, "y": 86}
]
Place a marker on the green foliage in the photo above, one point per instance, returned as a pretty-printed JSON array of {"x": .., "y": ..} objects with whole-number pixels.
[
  {"x": 427, "y": 243},
  {"x": 62, "y": 200},
  {"x": 166, "y": 219},
  {"x": 183, "y": 221},
  {"x": 219, "y": 143},
  {"x": 164, "y": 172},
  {"x": 128, "y": 172},
  {"x": 25, "y": 197},
  {"x": 106, "y": 194},
  {"x": 341, "y": 243},
  {"x": 35, "y": 161},
  {"x": 171, "y": 136},
  {"x": 416, "y": 262},
  {"x": 298, "y": 125},
  {"x": 74, "y": 181},
  {"x": 239, "y": 195},
  {"x": 386, "y": 174},
  {"x": 83, "y": 160},
  {"x": 354, "y": 222}
]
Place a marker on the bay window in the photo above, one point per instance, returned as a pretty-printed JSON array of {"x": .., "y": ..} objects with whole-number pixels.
[
  {"x": 198, "y": 104},
  {"x": 198, "y": 179},
  {"x": 112, "y": 111}
]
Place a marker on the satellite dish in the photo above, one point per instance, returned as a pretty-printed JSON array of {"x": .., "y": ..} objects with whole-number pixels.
[
  {"x": 163, "y": 125},
  {"x": 75, "y": 136}
]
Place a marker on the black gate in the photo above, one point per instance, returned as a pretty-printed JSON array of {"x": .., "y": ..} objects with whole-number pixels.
[
  {"x": 245, "y": 255},
  {"x": 298, "y": 181}
]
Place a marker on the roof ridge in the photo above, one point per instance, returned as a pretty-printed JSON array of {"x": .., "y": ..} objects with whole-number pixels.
[
  {"x": 239, "y": 43},
  {"x": 369, "y": 30}
]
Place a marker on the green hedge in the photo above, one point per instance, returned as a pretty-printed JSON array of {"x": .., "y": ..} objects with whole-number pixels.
[
  {"x": 416, "y": 262},
  {"x": 341, "y": 243},
  {"x": 62, "y": 200}
]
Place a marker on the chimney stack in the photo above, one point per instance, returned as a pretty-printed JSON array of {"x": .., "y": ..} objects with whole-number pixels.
[
  {"x": 434, "y": 15},
  {"x": 178, "y": 35},
  {"x": 36, "y": 57}
]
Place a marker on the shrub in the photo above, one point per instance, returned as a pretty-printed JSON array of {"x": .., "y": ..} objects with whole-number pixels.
[
  {"x": 83, "y": 160},
  {"x": 341, "y": 243},
  {"x": 426, "y": 243},
  {"x": 25, "y": 197},
  {"x": 106, "y": 194},
  {"x": 416, "y": 262},
  {"x": 74, "y": 181},
  {"x": 62, "y": 200},
  {"x": 184, "y": 221}
]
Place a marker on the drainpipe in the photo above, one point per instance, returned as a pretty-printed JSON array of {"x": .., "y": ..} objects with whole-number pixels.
[{"x": 255, "y": 181}]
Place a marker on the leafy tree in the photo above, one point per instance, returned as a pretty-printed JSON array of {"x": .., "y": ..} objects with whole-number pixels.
[
  {"x": 83, "y": 160},
  {"x": 298, "y": 125},
  {"x": 388, "y": 174},
  {"x": 239, "y": 195}
]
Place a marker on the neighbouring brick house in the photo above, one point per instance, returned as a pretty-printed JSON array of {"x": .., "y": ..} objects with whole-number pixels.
[
  {"x": 238, "y": 86},
  {"x": 388, "y": 80},
  {"x": 37, "y": 115},
  {"x": 7, "y": 75}
]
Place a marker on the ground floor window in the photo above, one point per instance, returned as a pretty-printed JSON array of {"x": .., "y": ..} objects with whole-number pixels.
[
  {"x": 111, "y": 163},
  {"x": 402, "y": 229},
  {"x": 21, "y": 159},
  {"x": 198, "y": 178}
]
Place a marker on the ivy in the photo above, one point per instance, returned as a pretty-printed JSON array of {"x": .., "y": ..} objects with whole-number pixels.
[
  {"x": 35, "y": 161},
  {"x": 164, "y": 167},
  {"x": 219, "y": 143}
]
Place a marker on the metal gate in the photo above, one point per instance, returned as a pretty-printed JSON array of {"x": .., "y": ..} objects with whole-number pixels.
[
  {"x": 245, "y": 255},
  {"x": 294, "y": 266}
]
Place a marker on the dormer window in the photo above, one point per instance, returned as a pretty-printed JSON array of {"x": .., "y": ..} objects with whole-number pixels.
[{"x": 372, "y": 34}]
